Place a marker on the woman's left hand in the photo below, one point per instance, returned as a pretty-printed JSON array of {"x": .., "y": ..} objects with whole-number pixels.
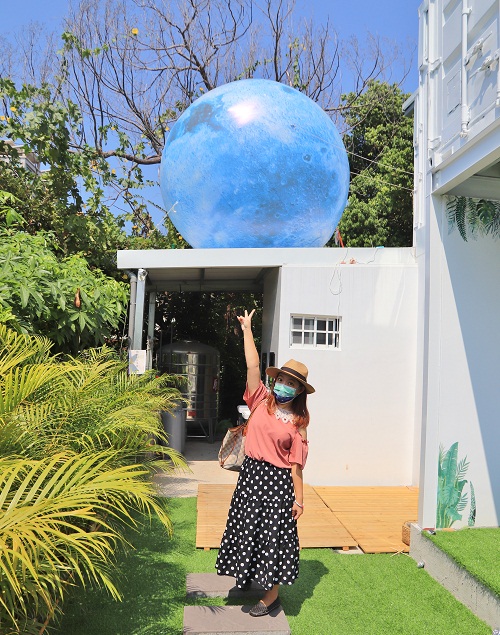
[{"x": 297, "y": 511}]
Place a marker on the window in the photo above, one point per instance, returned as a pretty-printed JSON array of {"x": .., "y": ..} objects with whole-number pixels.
[{"x": 314, "y": 332}]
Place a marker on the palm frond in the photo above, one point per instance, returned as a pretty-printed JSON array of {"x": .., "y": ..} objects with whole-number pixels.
[
  {"x": 61, "y": 517},
  {"x": 71, "y": 436},
  {"x": 462, "y": 468},
  {"x": 457, "y": 207},
  {"x": 474, "y": 217},
  {"x": 462, "y": 503},
  {"x": 17, "y": 348}
]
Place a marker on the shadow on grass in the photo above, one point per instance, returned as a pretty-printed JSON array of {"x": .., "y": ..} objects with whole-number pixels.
[
  {"x": 152, "y": 580},
  {"x": 310, "y": 574},
  {"x": 391, "y": 595}
]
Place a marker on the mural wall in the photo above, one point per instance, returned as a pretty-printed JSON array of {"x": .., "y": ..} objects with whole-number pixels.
[{"x": 457, "y": 152}]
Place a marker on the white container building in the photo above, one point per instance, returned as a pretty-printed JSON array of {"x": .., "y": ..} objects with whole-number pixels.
[{"x": 457, "y": 153}]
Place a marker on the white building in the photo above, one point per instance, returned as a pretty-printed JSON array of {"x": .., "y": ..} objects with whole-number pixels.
[
  {"x": 28, "y": 160},
  {"x": 350, "y": 315},
  {"x": 457, "y": 152}
]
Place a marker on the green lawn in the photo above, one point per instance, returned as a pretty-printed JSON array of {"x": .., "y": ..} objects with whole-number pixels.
[
  {"x": 476, "y": 549},
  {"x": 334, "y": 595}
]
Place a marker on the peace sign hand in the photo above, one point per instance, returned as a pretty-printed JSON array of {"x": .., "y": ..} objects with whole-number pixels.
[{"x": 246, "y": 320}]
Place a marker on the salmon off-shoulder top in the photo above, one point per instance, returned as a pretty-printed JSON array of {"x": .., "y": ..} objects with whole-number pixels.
[{"x": 269, "y": 438}]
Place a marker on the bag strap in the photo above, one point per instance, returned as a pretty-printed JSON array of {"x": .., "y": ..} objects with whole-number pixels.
[
  {"x": 243, "y": 427},
  {"x": 250, "y": 416}
]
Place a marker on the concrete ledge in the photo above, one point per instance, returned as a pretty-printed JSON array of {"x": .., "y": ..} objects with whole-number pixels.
[
  {"x": 459, "y": 582},
  {"x": 211, "y": 585},
  {"x": 232, "y": 620}
]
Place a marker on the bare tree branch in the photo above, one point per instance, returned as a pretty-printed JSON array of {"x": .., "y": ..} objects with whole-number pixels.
[{"x": 136, "y": 65}]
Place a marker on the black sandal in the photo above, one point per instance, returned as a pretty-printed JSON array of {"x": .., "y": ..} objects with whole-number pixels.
[{"x": 261, "y": 609}]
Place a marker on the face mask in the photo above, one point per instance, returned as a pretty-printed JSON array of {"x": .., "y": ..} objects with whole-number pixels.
[{"x": 283, "y": 393}]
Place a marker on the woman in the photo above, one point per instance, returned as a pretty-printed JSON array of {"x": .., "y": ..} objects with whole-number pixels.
[{"x": 260, "y": 541}]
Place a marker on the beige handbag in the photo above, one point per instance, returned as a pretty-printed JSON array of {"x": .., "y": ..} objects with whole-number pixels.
[{"x": 232, "y": 449}]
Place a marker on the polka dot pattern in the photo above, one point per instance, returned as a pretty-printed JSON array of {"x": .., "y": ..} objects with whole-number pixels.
[{"x": 260, "y": 541}]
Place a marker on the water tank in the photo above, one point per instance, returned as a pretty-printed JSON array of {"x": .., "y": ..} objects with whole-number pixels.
[{"x": 200, "y": 365}]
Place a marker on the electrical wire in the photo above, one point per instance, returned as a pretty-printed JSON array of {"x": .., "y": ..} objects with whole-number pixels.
[
  {"x": 392, "y": 167},
  {"x": 389, "y": 167},
  {"x": 393, "y": 185},
  {"x": 377, "y": 163}
]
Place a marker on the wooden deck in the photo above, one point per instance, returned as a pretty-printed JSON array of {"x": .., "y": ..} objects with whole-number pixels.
[
  {"x": 374, "y": 516},
  {"x": 340, "y": 517},
  {"x": 319, "y": 528}
]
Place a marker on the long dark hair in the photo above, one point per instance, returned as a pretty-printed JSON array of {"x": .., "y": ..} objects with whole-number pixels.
[{"x": 299, "y": 408}]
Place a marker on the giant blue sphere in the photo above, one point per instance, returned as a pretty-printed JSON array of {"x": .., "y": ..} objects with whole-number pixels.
[{"x": 254, "y": 163}]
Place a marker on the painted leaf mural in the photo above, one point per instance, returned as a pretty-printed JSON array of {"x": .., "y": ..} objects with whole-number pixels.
[
  {"x": 472, "y": 513},
  {"x": 452, "y": 496}
]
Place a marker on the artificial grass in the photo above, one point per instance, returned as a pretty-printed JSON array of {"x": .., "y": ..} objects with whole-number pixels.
[
  {"x": 335, "y": 594},
  {"x": 475, "y": 549}
]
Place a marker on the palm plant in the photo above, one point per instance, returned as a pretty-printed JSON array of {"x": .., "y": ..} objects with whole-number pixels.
[
  {"x": 451, "y": 497},
  {"x": 71, "y": 436},
  {"x": 60, "y": 523},
  {"x": 82, "y": 404},
  {"x": 474, "y": 217},
  {"x": 101, "y": 406}
]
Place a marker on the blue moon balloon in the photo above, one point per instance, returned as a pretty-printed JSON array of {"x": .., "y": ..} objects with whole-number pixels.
[{"x": 254, "y": 163}]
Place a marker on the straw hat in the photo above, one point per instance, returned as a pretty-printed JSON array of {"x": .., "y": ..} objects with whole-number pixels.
[{"x": 296, "y": 370}]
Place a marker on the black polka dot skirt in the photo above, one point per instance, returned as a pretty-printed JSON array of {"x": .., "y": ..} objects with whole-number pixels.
[{"x": 260, "y": 541}]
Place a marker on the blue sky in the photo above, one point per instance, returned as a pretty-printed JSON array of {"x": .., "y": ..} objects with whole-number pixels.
[{"x": 393, "y": 19}]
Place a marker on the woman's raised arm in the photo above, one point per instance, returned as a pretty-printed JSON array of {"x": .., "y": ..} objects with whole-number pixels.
[{"x": 251, "y": 354}]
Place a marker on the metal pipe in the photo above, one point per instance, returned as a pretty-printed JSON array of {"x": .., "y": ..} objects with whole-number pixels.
[
  {"x": 497, "y": 101},
  {"x": 151, "y": 330},
  {"x": 133, "y": 303},
  {"x": 464, "y": 93},
  {"x": 142, "y": 275}
]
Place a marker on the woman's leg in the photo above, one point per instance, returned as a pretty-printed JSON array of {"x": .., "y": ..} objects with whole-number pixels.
[{"x": 270, "y": 595}]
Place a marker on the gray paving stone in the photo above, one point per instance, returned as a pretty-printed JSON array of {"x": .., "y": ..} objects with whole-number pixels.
[
  {"x": 211, "y": 585},
  {"x": 232, "y": 620}
]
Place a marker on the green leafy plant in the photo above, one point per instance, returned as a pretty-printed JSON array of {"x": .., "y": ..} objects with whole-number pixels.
[
  {"x": 77, "y": 452},
  {"x": 452, "y": 499},
  {"x": 61, "y": 521},
  {"x": 65, "y": 299},
  {"x": 68, "y": 197},
  {"x": 474, "y": 217},
  {"x": 8, "y": 214}
]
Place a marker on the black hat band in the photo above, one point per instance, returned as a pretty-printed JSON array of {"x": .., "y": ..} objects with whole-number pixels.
[{"x": 294, "y": 373}]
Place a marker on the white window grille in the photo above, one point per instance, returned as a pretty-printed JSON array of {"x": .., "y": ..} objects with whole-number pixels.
[{"x": 314, "y": 332}]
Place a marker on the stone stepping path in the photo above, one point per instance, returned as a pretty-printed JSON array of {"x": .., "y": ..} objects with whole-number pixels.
[
  {"x": 227, "y": 620},
  {"x": 232, "y": 620}
]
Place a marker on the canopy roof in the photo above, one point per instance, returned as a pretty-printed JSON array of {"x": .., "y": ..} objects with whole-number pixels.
[{"x": 239, "y": 269}]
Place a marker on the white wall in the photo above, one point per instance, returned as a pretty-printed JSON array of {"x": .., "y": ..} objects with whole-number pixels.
[
  {"x": 457, "y": 137},
  {"x": 362, "y": 414},
  {"x": 463, "y": 396}
]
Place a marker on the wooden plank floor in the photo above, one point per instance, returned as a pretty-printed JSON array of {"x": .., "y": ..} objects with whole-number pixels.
[
  {"x": 373, "y": 515},
  {"x": 319, "y": 527}
]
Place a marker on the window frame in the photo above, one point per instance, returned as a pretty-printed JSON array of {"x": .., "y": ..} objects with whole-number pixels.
[{"x": 312, "y": 330}]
